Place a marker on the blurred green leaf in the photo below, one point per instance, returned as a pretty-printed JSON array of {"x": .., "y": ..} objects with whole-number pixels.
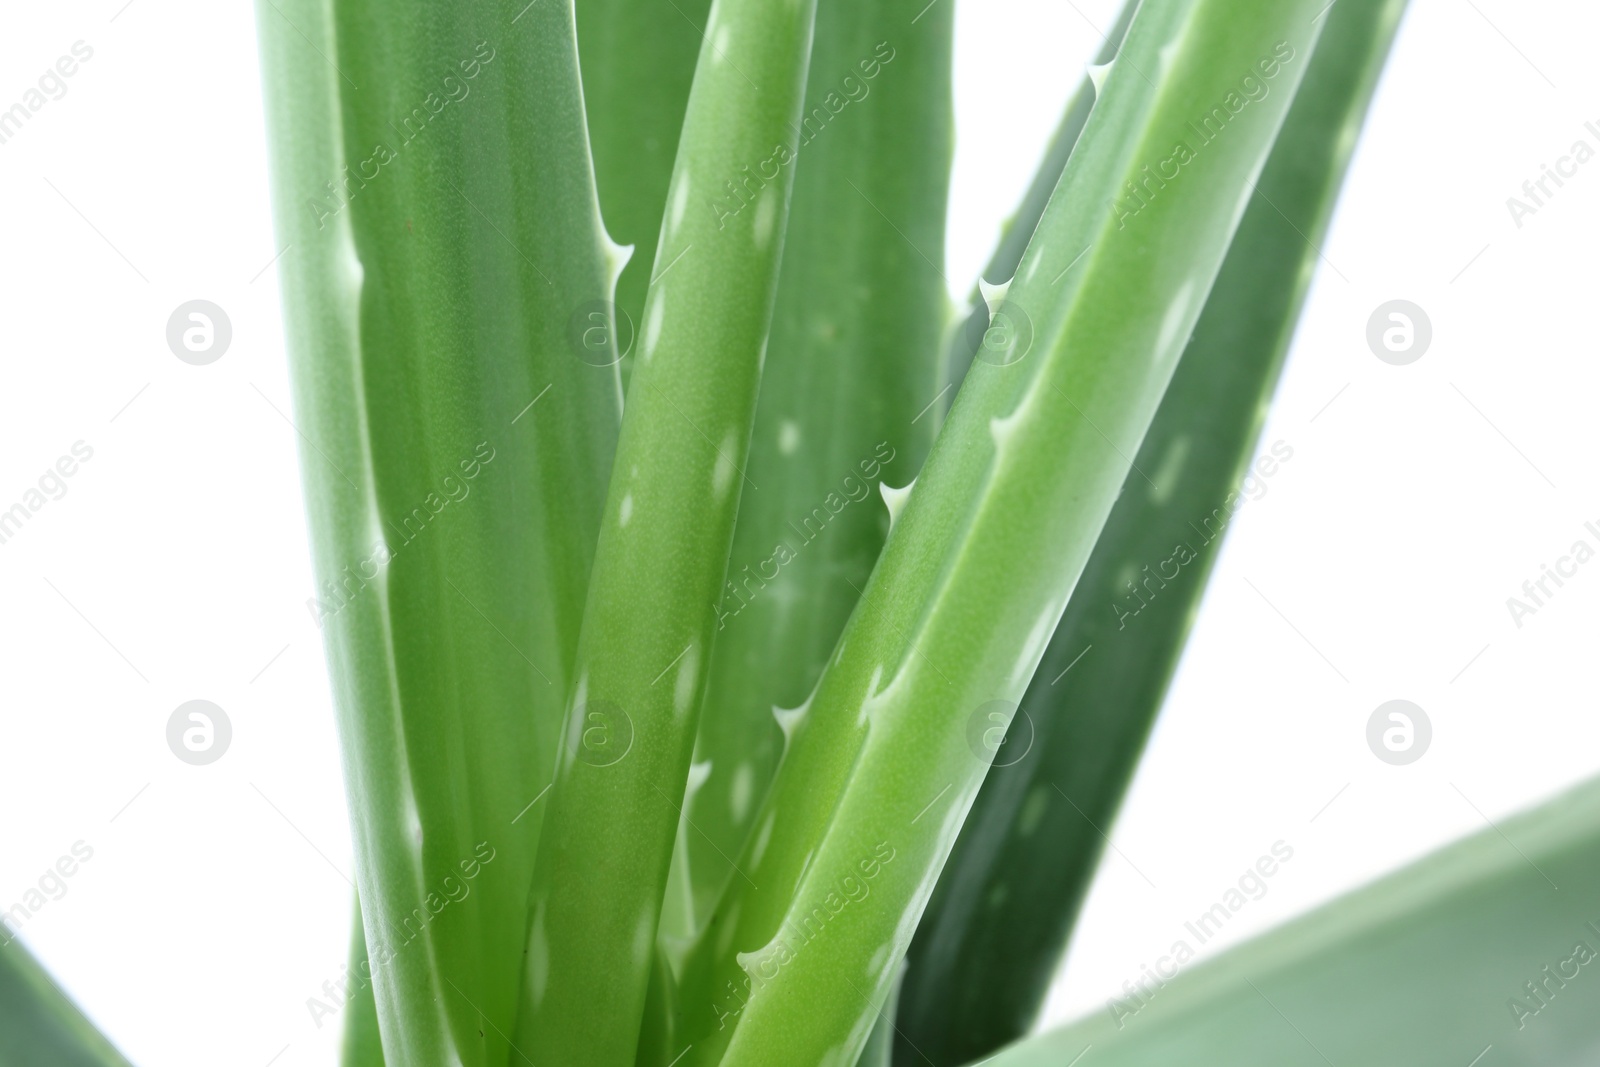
[
  {"x": 362, "y": 1042},
  {"x": 879, "y": 1049},
  {"x": 40, "y": 1026},
  {"x": 1477, "y": 954}
]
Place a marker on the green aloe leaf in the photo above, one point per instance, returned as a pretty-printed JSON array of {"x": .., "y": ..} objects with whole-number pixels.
[
  {"x": 976, "y": 571},
  {"x": 662, "y": 553},
  {"x": 1480, "y": 952},
  {"x": 988, "y": 946},
  {"x": 361, "y": 1043},
  {"x": 845, "y": 395},
  {"x": 637, "y": 58},
  {"x": 443, "y": 254},
  {"x": 879, "y": 1049},
  {"x": 39, "y": 1023},
  {"x": 1018, "y": 230}
]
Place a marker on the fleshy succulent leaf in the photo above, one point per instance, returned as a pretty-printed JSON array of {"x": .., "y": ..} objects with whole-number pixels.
[
  {"x": 977, "y": 570},
  {"x": 662, "y": 553},
  {"x": 1482, "y": 945},
  {"x": 361, "y": 1043},
  {"x": 1018, "y": 230},
  {"x": 979, "y": 969},
  {"x": 849, "y": 370},
  {"x": 637, "y": 58},
  {"x": 433, "y": 192},
  {"x": 39, "y": 1023}
]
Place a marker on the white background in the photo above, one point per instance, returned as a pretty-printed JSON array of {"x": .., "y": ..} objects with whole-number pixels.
[{"x": 1376, "y": 566}]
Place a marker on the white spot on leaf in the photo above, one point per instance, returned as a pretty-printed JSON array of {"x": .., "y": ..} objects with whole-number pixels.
[
  {"x": 644, "y": 936},
  {"x": 680, "y": 200},
  {"x": 538, "y": 956},
  {"x": 683, "y": 690},
  {"x": 766, "y": 216},
  {"x": 763, "y": 839},
  {"x": 739, "y": 793},
  {"x": 1033, "y": 647},
  {"x": 652, "y": 323},
  {"x": 1177, "y": 316},
  {"x": 698, "y": 773},
  {"x": 722, "y": 474}
]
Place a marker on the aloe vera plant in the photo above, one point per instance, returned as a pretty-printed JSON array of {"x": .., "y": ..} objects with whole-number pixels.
[{"x": 670, "y": 724}]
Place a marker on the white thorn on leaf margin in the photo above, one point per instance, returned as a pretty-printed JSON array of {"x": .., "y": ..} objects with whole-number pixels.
[
  {"x": 994, "y": 295},
  {"x": 1098, "y": 72},
  {"x": 895, "y": 499}
]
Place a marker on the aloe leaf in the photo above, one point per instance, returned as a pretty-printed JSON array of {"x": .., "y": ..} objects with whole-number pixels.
[
  {"x": 39, "y": 1023},
  {"x": 1018, "y": 230},
  {"x": 658, "y": 1029},
  {"x": 434, "y": 198},
  {"x": 662, "y": 553},
  {"x": 361, "y": 1044},
  {"x": 975, "y": 574},
  {"x": 988, "y": 945},
  {"x": 1484, "y": 945},
  {"x": 849, "y": 376},
  {"x": 637, "y": 58},
  {"x": 879, "y": 1049}
]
